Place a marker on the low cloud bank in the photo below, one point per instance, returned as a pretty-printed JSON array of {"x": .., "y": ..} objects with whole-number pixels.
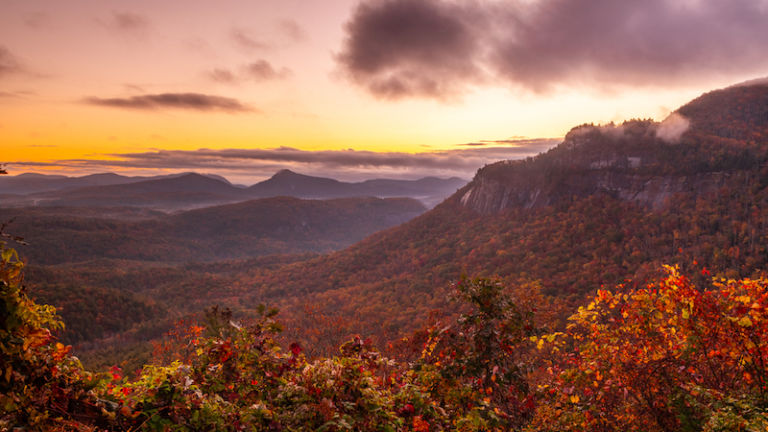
[
  {"x": 193, "y": 101},
  {"x": 249, "y": 166}
]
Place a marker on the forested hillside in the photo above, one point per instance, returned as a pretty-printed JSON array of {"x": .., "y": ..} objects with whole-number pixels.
[
  {"x": 580, "y": 216},
  {"x": 247, "y": 229},
  {"x": 669, "y": 356}
]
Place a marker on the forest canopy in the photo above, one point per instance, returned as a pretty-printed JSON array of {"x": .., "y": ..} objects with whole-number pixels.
[{"x": 669, "y": 356}]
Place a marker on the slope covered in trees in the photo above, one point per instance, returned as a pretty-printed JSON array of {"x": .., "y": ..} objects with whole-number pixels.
[
  {"x": 252, "y": 228},
  {"x": 609, "y": 204},
  {"x": 667, "y": 357}
]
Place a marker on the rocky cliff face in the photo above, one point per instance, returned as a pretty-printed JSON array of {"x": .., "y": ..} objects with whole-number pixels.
[
  {"x": 488, "y": 195},
  {"x": 717, "y": 140}
]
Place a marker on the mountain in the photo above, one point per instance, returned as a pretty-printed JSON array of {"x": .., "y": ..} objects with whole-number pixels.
[
  {"x": 429, "y": 190},
  {"x": 191, "y": 190},
  {"x": 178, "y": 192},
  {"x": 288, "y": 183},
  {"x": 247, "y": 229},
  {"x": 610, "y": 204},
  {"x": 727, "y": 132},
  {"x": 735, "y": 113},
  {"x": 28, "y": 183}
]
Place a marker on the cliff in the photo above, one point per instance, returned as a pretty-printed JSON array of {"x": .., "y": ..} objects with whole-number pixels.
[{"x": 697, "y": 150}]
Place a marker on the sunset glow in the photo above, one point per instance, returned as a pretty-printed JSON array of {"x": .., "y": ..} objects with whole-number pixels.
[{"x": 93, "y": 80}]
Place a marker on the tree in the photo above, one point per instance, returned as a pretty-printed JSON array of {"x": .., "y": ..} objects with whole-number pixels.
[
  {"x": 41, "y": 385},
  {"x": 668, "y": 357}
]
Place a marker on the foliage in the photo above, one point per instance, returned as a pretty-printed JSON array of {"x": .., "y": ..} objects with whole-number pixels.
[
  {"x": 475, "y": 370},
  {"x": 237, "y": 377},
  {"x": 671, "y": 356},
  {"x": 668, "y": 357},
  {"x": 232, "y": 376},
  {"x": 41, "y": 385}
]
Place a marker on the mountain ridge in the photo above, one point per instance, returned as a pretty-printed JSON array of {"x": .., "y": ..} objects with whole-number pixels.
[
  {"x": 192, "y": 190},
  {"x": 583, "y": 215},
  {"x": 632, "y": 161}
]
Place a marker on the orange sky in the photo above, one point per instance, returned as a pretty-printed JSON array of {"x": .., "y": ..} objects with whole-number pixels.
[{"x": 83, "y": 82}]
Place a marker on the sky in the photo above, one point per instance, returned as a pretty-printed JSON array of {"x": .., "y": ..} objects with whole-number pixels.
[{"x": 347, "y": 89}]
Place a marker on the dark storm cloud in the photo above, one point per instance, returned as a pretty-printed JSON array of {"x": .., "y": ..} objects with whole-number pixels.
[
  {"x": 193, "y": 101},
  {"x": 363, "y": 164},
  {"x": 398, "y": 48},
  {"x": 636, "y": 42}
]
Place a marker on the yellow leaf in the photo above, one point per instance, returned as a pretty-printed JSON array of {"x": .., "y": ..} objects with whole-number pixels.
[
  {"x": 745, "y": 321},
  {"x": 574, "y": 398}
]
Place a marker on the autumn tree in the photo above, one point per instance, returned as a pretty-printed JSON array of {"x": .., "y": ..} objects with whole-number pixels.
[
  {"x": 41, "y": 385},
  {"x": 668, "y": 357}
]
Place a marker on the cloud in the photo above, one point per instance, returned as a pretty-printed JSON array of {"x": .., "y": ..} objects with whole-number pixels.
[
  {"x": 257, "y": 164},
  {"x": 36, "y": 20},
  {"x": 14, "y": 94},
  {"x": 260, "y": 70},
  {"x": 292, "y": 30},
  {"x": 245, "y": 41},
  {"x": 9, "y": 64},
  {"x": 129, "y": 21},
  {"x": 193, "y": 101},
  {"x": 398, "y": 48},
  {"x": 223, "y": 76},
  {"x": 672, "y": 128},
  {"x": 434, "y": 48}
]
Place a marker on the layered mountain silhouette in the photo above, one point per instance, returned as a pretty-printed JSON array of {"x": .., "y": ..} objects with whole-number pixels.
[
  {"x": 193, "y": 190},
  {"x": 29, "y": 183}
]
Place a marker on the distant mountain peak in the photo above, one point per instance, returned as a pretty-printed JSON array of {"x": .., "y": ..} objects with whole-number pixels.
[{"x": 284, "y": 172}]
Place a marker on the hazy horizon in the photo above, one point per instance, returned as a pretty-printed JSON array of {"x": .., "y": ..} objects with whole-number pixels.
[
  {"x": 370, "y": 88},
  {"x": 340, "y": 176}
]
